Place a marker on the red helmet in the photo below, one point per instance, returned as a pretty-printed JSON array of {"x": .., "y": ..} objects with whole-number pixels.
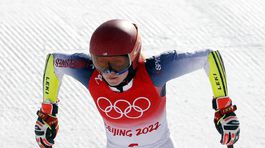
[{"x": 116, "y": 37}]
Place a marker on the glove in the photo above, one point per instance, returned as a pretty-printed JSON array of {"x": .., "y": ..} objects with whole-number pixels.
[
  {"x": 226, "y": 121},
  {"x": 46, "y": 126}
]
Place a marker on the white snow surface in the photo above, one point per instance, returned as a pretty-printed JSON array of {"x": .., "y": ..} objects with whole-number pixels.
[{"x": 31, "y": 29}]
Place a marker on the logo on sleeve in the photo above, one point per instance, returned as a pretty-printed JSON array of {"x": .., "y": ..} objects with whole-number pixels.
[{"x": 157, "y": 64}]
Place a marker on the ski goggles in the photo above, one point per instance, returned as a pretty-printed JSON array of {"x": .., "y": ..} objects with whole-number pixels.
[{"x": 108, "y": 64}]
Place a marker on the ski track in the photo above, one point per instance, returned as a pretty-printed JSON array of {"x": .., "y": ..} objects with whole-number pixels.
[{"x": 29, "y": 30}]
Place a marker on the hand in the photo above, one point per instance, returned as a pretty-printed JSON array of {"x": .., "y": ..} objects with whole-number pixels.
[
  {"x": 228, "y": 127},
  {"x": 46, "y": 129},
  {"x": 226, "y": 121}
]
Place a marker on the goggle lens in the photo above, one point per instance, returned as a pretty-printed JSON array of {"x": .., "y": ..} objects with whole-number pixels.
[{"x": 107, "y": 64}]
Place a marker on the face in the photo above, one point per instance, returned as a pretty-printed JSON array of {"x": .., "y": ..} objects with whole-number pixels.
[
  {"x": 113, "y": 79},
  {"x": 114, "y": 69}
]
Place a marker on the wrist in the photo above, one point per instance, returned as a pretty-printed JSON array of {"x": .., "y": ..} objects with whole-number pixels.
[
  {"x": 48, "y": 112},
  {"x": 223, "y": 106},
  {"x": 47, "y": 119},
  {"x": 49, "y": 108},
  {"x": 221, "y": 103}
]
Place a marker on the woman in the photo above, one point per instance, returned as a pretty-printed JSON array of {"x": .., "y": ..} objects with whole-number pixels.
[{"x": 130, "y": 91}]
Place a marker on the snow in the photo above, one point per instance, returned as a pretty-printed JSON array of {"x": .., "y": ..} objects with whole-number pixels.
[{"x": 30, "y": 29}]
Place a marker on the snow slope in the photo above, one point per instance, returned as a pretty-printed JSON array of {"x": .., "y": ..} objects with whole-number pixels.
[{"x": 30, "y": 29}]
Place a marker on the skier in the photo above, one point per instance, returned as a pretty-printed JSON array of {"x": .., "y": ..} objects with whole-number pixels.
[{"x": 130, "y": 91}]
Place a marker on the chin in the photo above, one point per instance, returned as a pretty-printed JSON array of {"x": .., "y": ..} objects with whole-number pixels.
[{"x": 113, "y": 83}]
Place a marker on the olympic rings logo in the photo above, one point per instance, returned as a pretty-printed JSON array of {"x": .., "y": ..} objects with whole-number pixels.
[{"x": 117, "y": 109}]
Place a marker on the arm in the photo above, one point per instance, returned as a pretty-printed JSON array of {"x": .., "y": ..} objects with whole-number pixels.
[
  {"x": 173, "y": 64},
  {"x": 76, "y": 65},
  {"x": 217, "y": 75},
  {"x": 51, "y": 81},
  {"x": 46, "y": 126},
  {"x": 170, "y": 65},
  {"x": 225, "y": 119}
]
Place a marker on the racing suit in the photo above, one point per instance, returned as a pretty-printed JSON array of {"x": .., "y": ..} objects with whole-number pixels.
[{"x": 135, "y": 117}]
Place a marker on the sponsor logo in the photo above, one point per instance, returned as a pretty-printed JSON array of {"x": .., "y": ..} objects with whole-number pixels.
[
  {"x": 217, "y": 82},
  {"x": 71, "y": 63},
  {"x": 157, "y": 64},
  {"x": 123, "y": 108},
  {"x": 47, "y": 85}
]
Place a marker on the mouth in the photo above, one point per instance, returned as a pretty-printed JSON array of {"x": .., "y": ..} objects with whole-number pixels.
[{"x": 113, "y": 78}]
